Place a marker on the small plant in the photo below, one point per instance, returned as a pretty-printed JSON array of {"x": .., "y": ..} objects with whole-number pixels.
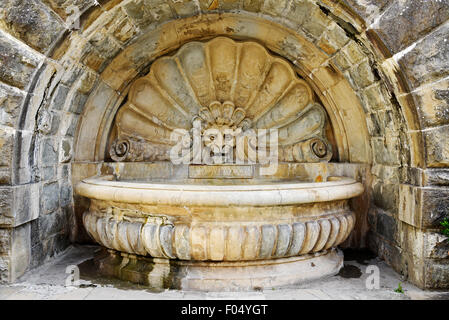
[
  {"x": 445, "y": 225},
  {"x": 399, "y": 288}
]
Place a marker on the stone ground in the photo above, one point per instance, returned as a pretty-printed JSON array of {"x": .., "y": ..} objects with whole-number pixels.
[{"x": 48, "y": 283}]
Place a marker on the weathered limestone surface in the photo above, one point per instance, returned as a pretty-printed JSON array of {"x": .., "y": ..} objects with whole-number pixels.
[
  {"x": 15, "y": 252},
  {"x": 368, "y": 9},
  {"x": 423, "y": 207},
  {"x": 349, "y": 69},
  {"x": 233, "y": 226},
  {"x": 394, "y": 24},
  {"x": 18, "y": 63},
  {"x": 433, "y": 103},
  {"x": 31, "y": 22},
  {"x": 20, "y": 204},
  {"x": 427, "y": 61}
]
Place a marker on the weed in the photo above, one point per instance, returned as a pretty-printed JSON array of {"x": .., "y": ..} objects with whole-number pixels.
[{"x": 399, "y": 288}]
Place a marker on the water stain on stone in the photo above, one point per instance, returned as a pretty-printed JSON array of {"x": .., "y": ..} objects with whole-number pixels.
[
  {"x": 350, "y": 271},
  {"x": 361, "y": 256}
]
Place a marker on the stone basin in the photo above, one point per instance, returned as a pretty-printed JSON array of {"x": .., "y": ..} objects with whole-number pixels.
[{"x": 219, "y": 234}]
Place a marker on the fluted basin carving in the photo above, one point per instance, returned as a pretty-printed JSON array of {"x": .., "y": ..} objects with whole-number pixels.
[{"x": 187, "y": 221}]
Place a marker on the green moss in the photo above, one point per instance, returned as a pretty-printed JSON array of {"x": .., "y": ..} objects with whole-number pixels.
[{"x": 445, "y": 225}]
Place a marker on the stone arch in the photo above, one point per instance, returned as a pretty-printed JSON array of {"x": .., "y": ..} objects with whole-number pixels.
[
  {"x": 353, "y": 148},
  {"x": 390, "y": 83}
]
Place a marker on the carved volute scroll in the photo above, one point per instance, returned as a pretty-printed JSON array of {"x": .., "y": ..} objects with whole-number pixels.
[{"x": 221, "y": 85}]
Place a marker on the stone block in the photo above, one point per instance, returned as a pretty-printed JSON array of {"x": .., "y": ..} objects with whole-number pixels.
[
  {"x": 48, "y": 173},
  {"x": 385, "y": 250},
  {"x": 93, "y": 114},
  {"x": 31, "y": 22},
  {"x": 94, "y": 60},
  {"x": 432, "y": 103},
  {"x": 25, "y": 140},
  {"x": 50, "y": 197},
  {"x": 423, "y": 244},
  {"x": 362, "y": 75},
  {"x": 221, "y": 5},
  {"x": 65, "y": 150},
  {"x": 368, "y": 9},
  {"x": 4, "y": 269},
  {"x": 15, "y": 252},
  {"x": 123, "y": 29},
  {"x": 386, "y": 195},
  {"x": 6, "y": 206},
  {"x": 386, "y": 226},
  {"x": 436, "y": 273},
  {"x": 423, "y": 207},
  {"x": 333, "y": 39},
  {"x": 6, "y": 146},
  {"x": 373, "y": 125},
  {"x": 18, "y": 63},
  {"x": 69, "y": 9},
  {"x": 404, "y": 22},
  {"x": 5, "y": 241},
  {"x": 65, "y": 194},
  {"x": 59, "y": 97},
  {"x": 86, "y": 82},
  {"x": 297, "y": 13},
  {"x": 20, "y": 255},
  {"x": 184, "y": 8},
  {"x": 427, "y": 61},
  {"x": 145, "y": 12},
  {"x": 316, "y": 22},
  {"x": 36, "y": 103},
  {"x": 38, "y": 256},
  {"x": 353, "y": 52},
  {"x": 106, "y": 46},
  {"x": 5, "y": 175},
  {"x": 19, "y": 204},
  {"x": 427, "y": 273},
  {"x": 11, "y": 101},
  {"x": 388, "y": 174},
  {"x": 73, "y": 71},
  {"x": 341, "y": 61},
  {"x": 373, "y": 97},
  {"x": 252, "y": 5},
  {"x": 52, "y": 224},
  {"x": 69, "y": 124},
  {"x": 437, "y": 146},
  {"x": 385, "y": 152},
  {"x": 76, "y": 101},
  {"x": 438, "y": 177},
  {"x": 274, "y": 7}
]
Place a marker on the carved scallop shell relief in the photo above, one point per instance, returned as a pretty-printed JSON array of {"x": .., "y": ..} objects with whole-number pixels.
[{"x": 220, "y": 85}]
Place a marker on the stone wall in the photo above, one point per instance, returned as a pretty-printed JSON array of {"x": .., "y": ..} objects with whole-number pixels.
[{"x": 384, "y": 62}]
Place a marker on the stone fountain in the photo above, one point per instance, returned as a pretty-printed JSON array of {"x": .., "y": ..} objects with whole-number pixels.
[{"x": 220, "y": 176}]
